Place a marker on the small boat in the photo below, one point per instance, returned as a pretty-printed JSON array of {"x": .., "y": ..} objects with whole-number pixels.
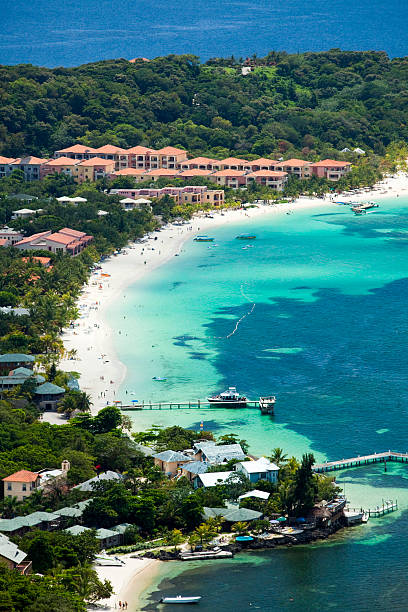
[
  {"x": 159, "y": 378},
  {"x": 231, "y": 397},
  {"x": 179, "y": 599},
  {"x": 245, "y": 237},
  {"x": 203, "y": 239}
]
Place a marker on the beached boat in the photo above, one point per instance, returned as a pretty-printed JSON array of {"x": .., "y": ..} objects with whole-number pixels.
[
  {"x": 203, "y": 239},
  {"x": 230, "y": 398},
  {"x": 179, "y": 599},
  {"x": 245, "y": 237}
]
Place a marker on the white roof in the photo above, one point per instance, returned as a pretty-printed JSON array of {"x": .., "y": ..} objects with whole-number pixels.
[
  {"x": 255, "y": 493},
  {"x": 64, "y": 199},
  {"x": 210, "y": 479},
  {"x": 23, "y": 211},
  {"x": 78, "y": 199},
  {"x": 142, "y": 201},
  {"x": 261, "y": 465},
  {"x": 127, "y": 201},
  {"x": 102, "y": 213}
]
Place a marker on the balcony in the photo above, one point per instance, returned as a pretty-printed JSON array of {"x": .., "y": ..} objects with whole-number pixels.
[{"x": 25, "y": 567}]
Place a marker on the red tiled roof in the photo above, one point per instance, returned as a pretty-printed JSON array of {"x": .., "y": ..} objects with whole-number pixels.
[
  {"x": 139, "y": 150},
  {"x": 33, "y": 237},
  {"x": 234, "y": 161},
  {"x": 62, "y": 238},
  {"x": 195, "y": 172},
  {"x": 201, "y": 161},
  {"x": 71, "y": 232},
  {"x": 62, "y": 161},
  {"x": 330, "y": 163},
  {"x": 228, "y": 172},
  {"x": 6, "y": 160},
  {"x": 22, "y": 476},
  {"x": 170, "y": 151},
  {"x": 293, "y": 162},
  {"x": 268, "y": 173},
  {"x": 44, "y": 261},
  {"x": 3, "y": 241},
  {"x": 77, "y": 148},
  {"x": 31, "y": 160},
  {"x": 110, "y": 150},
  {"x": 263, "y": 161},
  {"x": 130, "y": 172},
  {"x": 96, "y": 161}
]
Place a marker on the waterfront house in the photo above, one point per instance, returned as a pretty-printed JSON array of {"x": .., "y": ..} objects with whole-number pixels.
[
  {"x": 170, "y": 461},
  {"x": 261, "y": 469},
  {"x": 11, "y": 361},
  {"x": 66, "y": 240},
  {"x": 107, "y": 538},
  {"x": 330, "y": 169},
  {"x": 21, "y": 484},
  {"x": 214, "y": 453},
  {"x": 298, "y": 167},
  {"x": 47, "y": 396}
]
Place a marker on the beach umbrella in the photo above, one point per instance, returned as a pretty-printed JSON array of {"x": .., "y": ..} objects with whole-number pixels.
[{"x": 281, "y": 519}]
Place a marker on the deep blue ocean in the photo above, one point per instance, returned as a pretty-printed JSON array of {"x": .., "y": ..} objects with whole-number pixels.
[{"x": 56, "y": 33}]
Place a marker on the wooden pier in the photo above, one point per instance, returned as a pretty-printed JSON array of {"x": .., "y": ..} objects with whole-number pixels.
[
  {"x": 178, "y": 405},
  {"x": 361, "y": 460},
  {"x": 385, "y": 508}
]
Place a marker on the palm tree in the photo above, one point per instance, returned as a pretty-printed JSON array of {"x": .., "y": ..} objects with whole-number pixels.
[
  {"x": 9, "y": 506},
  {"x": 278, "y": 456},
  {"x": 204, "y": 532},
  {"x": 240, "y": 527}
]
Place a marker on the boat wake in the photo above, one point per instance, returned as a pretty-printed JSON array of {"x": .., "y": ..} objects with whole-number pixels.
[{"x": 238, "y": 323}]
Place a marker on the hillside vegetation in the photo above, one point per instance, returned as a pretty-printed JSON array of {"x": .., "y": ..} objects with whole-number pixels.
[{"x": 307, "y": 104}]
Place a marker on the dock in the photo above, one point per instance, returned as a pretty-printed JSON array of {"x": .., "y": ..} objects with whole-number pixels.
[
  {"x": 361, "y": 460},
  {"x": 205, "y": 554},
  {"x": 265, "y": 404},
  {"x": 385, "y": 508}
]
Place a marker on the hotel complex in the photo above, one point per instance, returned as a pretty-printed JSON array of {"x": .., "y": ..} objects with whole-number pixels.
[{"x": 84, "y": 163}]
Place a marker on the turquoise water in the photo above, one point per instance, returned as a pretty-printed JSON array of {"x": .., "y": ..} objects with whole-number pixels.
[{"x": 320, "y": 300}]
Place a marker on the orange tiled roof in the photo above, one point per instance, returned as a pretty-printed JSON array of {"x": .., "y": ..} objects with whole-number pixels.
[
  {"x": 130, "y": 172},
  {"x": 96, "y": 161},
  {"x": 22, "y": 476},
  {"x": 139, "y": 150},
  {"x": 162, "y": 172},
  {"x": 171, "y": 151},
  {"x": 195, "y": 172},
  {"x": 228, "y": 172},
  {"x": 62, "y": 238},
  {"x": 77, "y": 148},
  {"x": 330, "y": 163},
  {"x": 263, "y": 161},
  {"x": 234, "y": 161},
  {"x": 44, "y": 261},
  {"x": 72, "y": 232},
  {"x": 31, "y": 160},
  {"x": 139, "y": 59},
  {"x": 63, "y": 161},
  {"x": 6, "y": 160},
  {"x": 201, "y": 161},
  {"x": 33, "y": 237},
  {"x": 293, "y": 162},
  {"x": 110, "y": 150},
  {"x": 3, "y": 241},
  {"x": 268, "y": 173}
]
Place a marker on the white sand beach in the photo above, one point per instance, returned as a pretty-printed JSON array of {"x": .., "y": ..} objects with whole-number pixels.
[
  {"x": 92, "y": 336},
  {"x": 128, "y": 581}
]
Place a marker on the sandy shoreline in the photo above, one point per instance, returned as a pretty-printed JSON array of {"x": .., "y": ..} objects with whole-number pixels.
[
  {"x": 129, "y": 581},
  {"x": 92, "y": 337}
]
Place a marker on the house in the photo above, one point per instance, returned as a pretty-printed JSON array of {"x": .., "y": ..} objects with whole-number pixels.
[
  {"x": 88, "y": 485},
  {"x": 193, "y": 173},
  {"x": 243, "y": 515},
  {"x": 13, "y": 557},
  {"x": 192, "y": 468},
  {"x": 218, "y": 453},
  {"x": 269, "y": 178},
  {"x": 298, "y": 167},
  {"x": 21, "y": 484},
  {"x": 18, "y": 376},
  {"x": 31, "y": 166},
  {"x": 330, "y": 169},
  {"x": 49, "y": 477},
  {"x": 77, "y": 151},
  {"x": 211, "y": 479},
  {"x": 255, "y": 494},
  {"x": 9, "y": 237},
  {"x": 66, "y": 240},
  {"x": 23, "y": 213},
  {"x": 93, "y": 169},
  {"x": 170, "y": 461},
  {"x": 11, "y": 361},
  {"x": 107, "y": 537},
  {"x": 47, "y": 396},
  {"x": 71, "y": 512},
  {"x": 171, "y": 157},
  {"x": 261, "y": 469}
]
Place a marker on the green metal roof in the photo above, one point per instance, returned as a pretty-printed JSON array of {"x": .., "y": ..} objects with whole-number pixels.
[
  {"x": 49, "y": 389},
  {"x": 16, "y": 357},
  {"x": 77, "y": 529}
]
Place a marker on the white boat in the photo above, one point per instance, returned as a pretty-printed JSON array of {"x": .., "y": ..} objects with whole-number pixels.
[
  {"x": 231, "y": 397},
  {"x": 354, "y": 517},
  {"x": 179, "y": 599}
]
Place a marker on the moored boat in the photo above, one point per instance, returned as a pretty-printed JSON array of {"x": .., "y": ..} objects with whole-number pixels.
[
  {"x": 179, "y": 599},
  {"x": 203, "y": 239},
  {"x": 245, "y": 237},
  {"x": 230, "y": 398}
]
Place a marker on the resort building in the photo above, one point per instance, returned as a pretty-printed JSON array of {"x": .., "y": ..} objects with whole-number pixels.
[
  {"x": 13, "y": 557},
  {"x": 119, "y": 156},
  {"x": 17, "y": 377},
  {"x": 262, "y": 469},
  {"x": 234, "y": 163},
  {"x": 21, "y": 484},
  {"x": 5, "y": 163},
  {"x": 229, "y": 178},
  {"x": 270, "y": 178},
  {"x": 218, "y": 453},
  {"x": 139, "y": 158},
  {"x": 31, "y": 166},
  {"x": 11, "y": 361},
  {"x": 9, "y": 237},
  {"x": 193, "y": 193},
  {"x": 171, "y": 157},
  {"x": 77, "y": 151},
  {"x": 330, "y": 169},
  {"x": 47, "y": 396},
  {"x": 66, "y": 240},
  {"x": 298, "y": 167},
  {"x": 170, "y": 461},
  {"x": 212, "y": 479},
  {"x": 61, "y": 165},
  {"x": 200, "y": 163},
  {"x": 93, "y": 169},
  {"x": 262, "y": 163},
  {"x": 155, "y": 175}
]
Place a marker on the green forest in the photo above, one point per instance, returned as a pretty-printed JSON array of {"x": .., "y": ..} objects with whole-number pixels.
[{"x": 309, "y": 104}]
